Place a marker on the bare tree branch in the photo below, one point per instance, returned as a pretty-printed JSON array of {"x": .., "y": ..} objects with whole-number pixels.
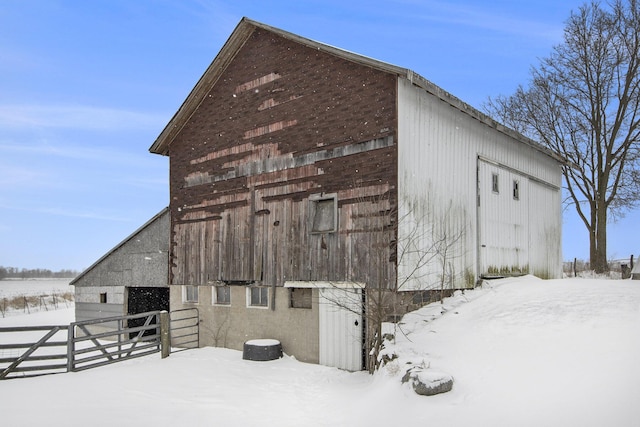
[{"x": 583, "y": 102}]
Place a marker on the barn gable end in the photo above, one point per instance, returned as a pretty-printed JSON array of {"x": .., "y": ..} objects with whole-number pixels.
[
  {"x": 283, "y": 124},
  {"x": 300, "y": 171}
]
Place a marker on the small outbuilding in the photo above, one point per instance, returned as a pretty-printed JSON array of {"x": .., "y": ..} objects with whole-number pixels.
[{"x": 131, "y": 278}]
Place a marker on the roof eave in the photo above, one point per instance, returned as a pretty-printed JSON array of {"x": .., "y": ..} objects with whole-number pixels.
[
  {"x": 211, "y": 75},
  {"x": 119, "y": 245},
  {"x": 229, "y": 50},
  {"x": 243, "y": 31}
]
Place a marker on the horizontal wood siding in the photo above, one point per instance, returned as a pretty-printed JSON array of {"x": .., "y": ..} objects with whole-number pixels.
[{"x": 285, "y": 122}]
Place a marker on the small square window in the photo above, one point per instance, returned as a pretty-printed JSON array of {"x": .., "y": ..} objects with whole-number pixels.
[
  {"x": 103, "y": 298},
  {"x": 222, "y": 295},
  {"x": 494, "y": 183},
  {"x": 516, "y": 190},
  {"x": 190, "y": 293},
  {"x": 300, "y": 297},
  {"x": 258, "y": 297},
  {"x": 324, "y": 214}
]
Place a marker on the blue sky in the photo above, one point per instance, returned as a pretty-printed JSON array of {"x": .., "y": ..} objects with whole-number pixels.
[{"x": 87, "y": 86}]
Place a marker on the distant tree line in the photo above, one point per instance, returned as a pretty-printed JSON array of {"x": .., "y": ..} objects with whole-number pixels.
[{"x": 35, "y": 273}]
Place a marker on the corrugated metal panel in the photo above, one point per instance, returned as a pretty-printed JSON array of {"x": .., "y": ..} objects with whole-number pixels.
[
  {"x": 340, "y": 313},
  {"x": 545, "y": 246},
  {"x": 503, "y": 221},
  {"x": 438, "y": 151},
  {"x": 436, "y": 190}
]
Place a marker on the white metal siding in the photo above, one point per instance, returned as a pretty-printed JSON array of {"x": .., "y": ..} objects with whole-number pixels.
[
  {"x": 438, "y": 151},
  {"x": 503, "y": 221},
  {"x": 544, "y": 242},
  {"x": 340, "y": 315}
]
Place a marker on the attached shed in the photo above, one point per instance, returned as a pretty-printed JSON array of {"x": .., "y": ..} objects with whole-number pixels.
[
  {"x": 131, "y": 278},
  {"x": 304, "y": 176}
]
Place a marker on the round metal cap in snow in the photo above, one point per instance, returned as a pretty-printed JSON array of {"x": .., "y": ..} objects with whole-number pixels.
[{"x": 262, "y": 350}]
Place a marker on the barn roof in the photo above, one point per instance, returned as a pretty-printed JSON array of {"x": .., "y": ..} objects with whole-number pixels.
[
  {"x": 119, "y": 245},
  {"x": 243, "y": 31}
]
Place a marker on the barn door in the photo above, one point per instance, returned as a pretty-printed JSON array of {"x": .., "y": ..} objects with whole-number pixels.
[
  {"x": 143, "y": 299},
  {"x": 340, "y": 314},
  {"x": 503, "y": 220}
]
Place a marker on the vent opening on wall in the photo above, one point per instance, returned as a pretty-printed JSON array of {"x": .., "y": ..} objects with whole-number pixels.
[{"x": 324, "y": 213}]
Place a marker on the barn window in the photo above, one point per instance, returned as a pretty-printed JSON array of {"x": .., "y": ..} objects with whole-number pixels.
[
  {"x": 300, "y": 297},
  {"x": 324, "y": 213},
  {"x": 494, "y": 183},
  {"x": 222, "y": 295},
  {"x": 190, "y": 293},
  {"x": 103, "y": 298},
  {"x": 516, "y": 190},
  {"x": 258, "y": 296}
]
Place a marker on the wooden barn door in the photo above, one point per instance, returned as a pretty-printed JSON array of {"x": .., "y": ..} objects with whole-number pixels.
[{"x": 340, "y": 314}]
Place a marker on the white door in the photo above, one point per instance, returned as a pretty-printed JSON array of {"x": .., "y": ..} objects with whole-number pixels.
[
  {"x": 503, "y": 220},
  {"x": 340, "y": 314}
]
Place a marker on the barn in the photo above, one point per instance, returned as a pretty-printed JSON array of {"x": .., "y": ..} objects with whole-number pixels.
[
  {"x": 306, "y": 180},
  {"x": 131, "y": 278}
]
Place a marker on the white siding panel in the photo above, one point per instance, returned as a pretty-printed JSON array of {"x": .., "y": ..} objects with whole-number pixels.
[
  {"x": 438, "y": 151},
  {"x": 91, "y": 294},
  {"x": 545, "y": 246},
  {"x": 341, "y": 328},
  {"x": 503, "y": 221}
]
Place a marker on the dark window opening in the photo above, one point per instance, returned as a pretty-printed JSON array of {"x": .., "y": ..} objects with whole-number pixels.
[
  {"x": 259, "y": 297},
  {"x": 516, "y": 190},
  {"x": 494, "y": 183},
  {"x": 301, "y": 297},
  {"x": 222, "y": 295},
  {"x": 103, "y": 298},
  {"x": 190, "y": 293},
  {"x": 324, "y": 213}
]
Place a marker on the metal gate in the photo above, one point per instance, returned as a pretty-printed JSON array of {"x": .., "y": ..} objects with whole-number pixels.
[{"x": 40, "y": 350}]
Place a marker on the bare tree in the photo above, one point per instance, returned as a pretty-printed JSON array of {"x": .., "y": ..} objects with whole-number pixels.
[
  {"x": 424, "y": 249},
  {"x": 583, "y": 102}
]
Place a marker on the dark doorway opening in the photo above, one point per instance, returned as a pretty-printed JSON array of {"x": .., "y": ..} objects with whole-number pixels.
[{"x": 141, "y": 300}]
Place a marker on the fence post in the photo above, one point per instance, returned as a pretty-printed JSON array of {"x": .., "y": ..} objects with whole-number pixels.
[
  {"x": 165, "y": 336},
  {"x": 70, "y": 347},
  {"x": 575, "y": 273}
]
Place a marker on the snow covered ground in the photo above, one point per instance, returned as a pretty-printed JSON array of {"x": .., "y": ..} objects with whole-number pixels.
[
  {"x": 16, "y": 287},
  {"x": 39, "y": 295},
  {"x": 523, "y": 352}
]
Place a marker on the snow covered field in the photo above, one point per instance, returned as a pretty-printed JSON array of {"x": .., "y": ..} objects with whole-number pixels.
[
  {"x": 523, "y": 352},
  {"x": 15, "y": 287},
  {"x": 18, "y": 297}
]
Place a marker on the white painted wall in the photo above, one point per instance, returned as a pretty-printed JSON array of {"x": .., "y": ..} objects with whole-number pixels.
[
  {"x": 438, "y": 150},
  {"x": 340, "y": 328}
]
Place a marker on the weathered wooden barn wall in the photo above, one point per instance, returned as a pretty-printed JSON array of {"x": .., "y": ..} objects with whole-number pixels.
[{"x": 285, "y": 122}]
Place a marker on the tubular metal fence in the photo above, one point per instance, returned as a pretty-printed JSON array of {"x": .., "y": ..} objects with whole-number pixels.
[
  {"x": 185, "y": 327},
  {"x": 39, "y": 350}
]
